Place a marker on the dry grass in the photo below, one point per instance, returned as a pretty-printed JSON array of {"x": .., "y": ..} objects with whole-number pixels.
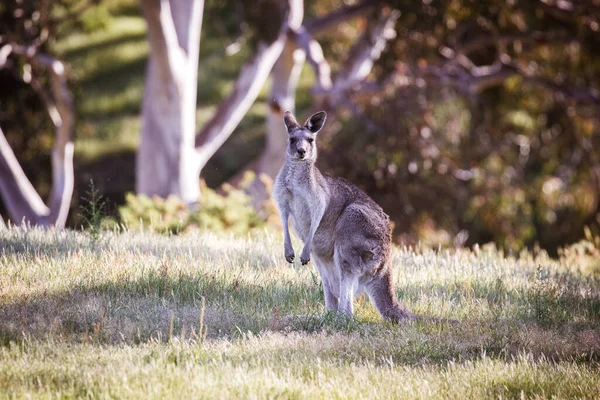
[{"x": 217, "y": 316}]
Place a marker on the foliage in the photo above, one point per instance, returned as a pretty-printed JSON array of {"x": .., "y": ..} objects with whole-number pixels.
[
  {"x": 230, "y": 211},
  {"x": 209, "y": 316},
  {"x": 584, "y": 255},
  {"x": 95, "y": 19},
  {"x": 515, "y": 160}
]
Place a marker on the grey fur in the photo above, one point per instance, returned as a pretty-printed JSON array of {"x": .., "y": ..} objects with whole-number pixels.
[{"x": 347, "y": 234}]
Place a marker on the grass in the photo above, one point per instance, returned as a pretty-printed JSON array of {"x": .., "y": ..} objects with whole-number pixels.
[{"x": 130, "y": 315}]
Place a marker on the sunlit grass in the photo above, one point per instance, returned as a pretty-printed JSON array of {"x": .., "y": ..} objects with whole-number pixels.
[{"x": 219, "y": 316}]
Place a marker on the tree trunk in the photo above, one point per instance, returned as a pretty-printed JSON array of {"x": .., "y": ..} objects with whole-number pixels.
[
  {"x": 248, "y": 85},
  {"x": 22, "y": 201},
  {"x": 285, "y": 77},
  {"x": 170, "y": 155},
  {"x": 167, "y": 161},
  {"x": 286, "y": 73},
  {"x": 284, "y": 80}
]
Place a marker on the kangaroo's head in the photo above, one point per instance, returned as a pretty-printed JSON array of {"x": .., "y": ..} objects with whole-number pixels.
[{"x": 301, "y": 139}]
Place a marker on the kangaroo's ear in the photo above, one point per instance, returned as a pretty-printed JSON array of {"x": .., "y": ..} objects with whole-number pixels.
[
  {"x": 290, "y": 122},
  {"x": 316, "y": 121}
]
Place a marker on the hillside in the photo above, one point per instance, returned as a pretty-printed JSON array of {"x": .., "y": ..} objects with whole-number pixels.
[{"x": 129, "y": 315}]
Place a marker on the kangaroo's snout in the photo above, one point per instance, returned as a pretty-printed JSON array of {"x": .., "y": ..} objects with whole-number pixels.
[{"x": 300, "y": 150}]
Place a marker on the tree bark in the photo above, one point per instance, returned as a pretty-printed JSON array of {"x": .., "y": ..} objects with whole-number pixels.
[
  {"x": 167, "y": 162},
  {"x": 360, "y": 61},
  {"x": 284, "y": 80},
  {"x": 363, "y": 55}
]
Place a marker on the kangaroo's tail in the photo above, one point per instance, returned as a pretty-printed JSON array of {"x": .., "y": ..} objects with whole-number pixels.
[{"x": 381, "y": 292}]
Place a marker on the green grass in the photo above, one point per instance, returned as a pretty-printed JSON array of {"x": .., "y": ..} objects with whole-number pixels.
[{"x": 130, "y": 315}]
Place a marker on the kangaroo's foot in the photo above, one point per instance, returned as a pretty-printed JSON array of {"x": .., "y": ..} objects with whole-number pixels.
[
  {"x": 305, "y": 256},
  {"x": 290, "y": 258},
  {"x": 289, "y": 254}
]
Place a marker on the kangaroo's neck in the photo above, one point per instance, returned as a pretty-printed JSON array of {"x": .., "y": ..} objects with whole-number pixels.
[{"x": 304, "y": 171}]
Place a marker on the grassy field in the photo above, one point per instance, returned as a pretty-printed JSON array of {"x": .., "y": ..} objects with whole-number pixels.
[{"x": 131, "y": 315}]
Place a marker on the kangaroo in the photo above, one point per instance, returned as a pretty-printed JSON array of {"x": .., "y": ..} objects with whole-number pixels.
[{"x": 345, "y": 232}]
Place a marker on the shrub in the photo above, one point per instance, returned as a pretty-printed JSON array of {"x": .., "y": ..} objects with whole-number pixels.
[
  {"x": 231, "y": 211},
  {"x": 583, "y": 256}
]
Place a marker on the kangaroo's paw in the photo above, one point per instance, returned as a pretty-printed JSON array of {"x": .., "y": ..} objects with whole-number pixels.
[
  {"x": 305, "y": 256},
  {"x": 289, "y": 256}
]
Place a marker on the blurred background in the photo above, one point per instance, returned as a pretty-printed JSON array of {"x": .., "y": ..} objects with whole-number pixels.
[{"x": 467, "y": 121}]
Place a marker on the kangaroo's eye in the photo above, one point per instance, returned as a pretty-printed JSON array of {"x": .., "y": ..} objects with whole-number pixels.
[
  {"x": 310, "y": 140},
  {"x": 292, "y": 140}
]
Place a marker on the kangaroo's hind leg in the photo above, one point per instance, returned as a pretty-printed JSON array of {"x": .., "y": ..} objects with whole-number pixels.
[
  {"x": 348, "y": 289},
  {"x": 349, "y": 280},
  {"x": 330, "y": 279}
]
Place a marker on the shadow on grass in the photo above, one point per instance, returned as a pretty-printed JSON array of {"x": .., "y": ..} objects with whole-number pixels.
[
  {"x": 546, "y": 305},
  {"x": 157, "y": 306},
  {"x": 113, "y": 176},
  {"x": 113, "y": 82},
  {"x": 163, "y": 304},
  {"x": 160, "y": 302},
  {"x": 245, "y": 145}
]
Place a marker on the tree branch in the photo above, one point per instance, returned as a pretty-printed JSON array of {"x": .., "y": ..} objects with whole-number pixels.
[
  {"x": 245, "y": 91},
  {"x": 483, "y": 41},
  {"x": 314, "y": 55},
  {"x": 363, "y": 55},
  {"x": 565, "y": 10},
  {"x": 475, "y": 81},
  {"x": 320, "y": 25},
  {"x": 163, "y": 35},
  {"x": 21, "y": 199}
]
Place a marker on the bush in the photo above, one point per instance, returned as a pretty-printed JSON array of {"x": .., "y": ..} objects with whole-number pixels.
[
  {"x": 583, "y": 256},
  {"x": 231, "y": 211}
]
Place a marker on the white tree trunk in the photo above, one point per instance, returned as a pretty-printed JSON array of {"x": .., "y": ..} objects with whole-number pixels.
[
  {"x": 22, "y": 201},
  {"x": 284, "y": 80},
  {"x": 170, "y": 155},
  {"x": 284, "y": 77},
  {"x": 167, "y": 161}
]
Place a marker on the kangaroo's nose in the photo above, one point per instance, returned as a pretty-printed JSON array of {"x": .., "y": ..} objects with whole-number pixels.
[{"x": 301, "y": 152}]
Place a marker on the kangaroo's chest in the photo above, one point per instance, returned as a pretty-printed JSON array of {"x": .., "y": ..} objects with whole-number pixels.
[{"x": 301, "y": 213}]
